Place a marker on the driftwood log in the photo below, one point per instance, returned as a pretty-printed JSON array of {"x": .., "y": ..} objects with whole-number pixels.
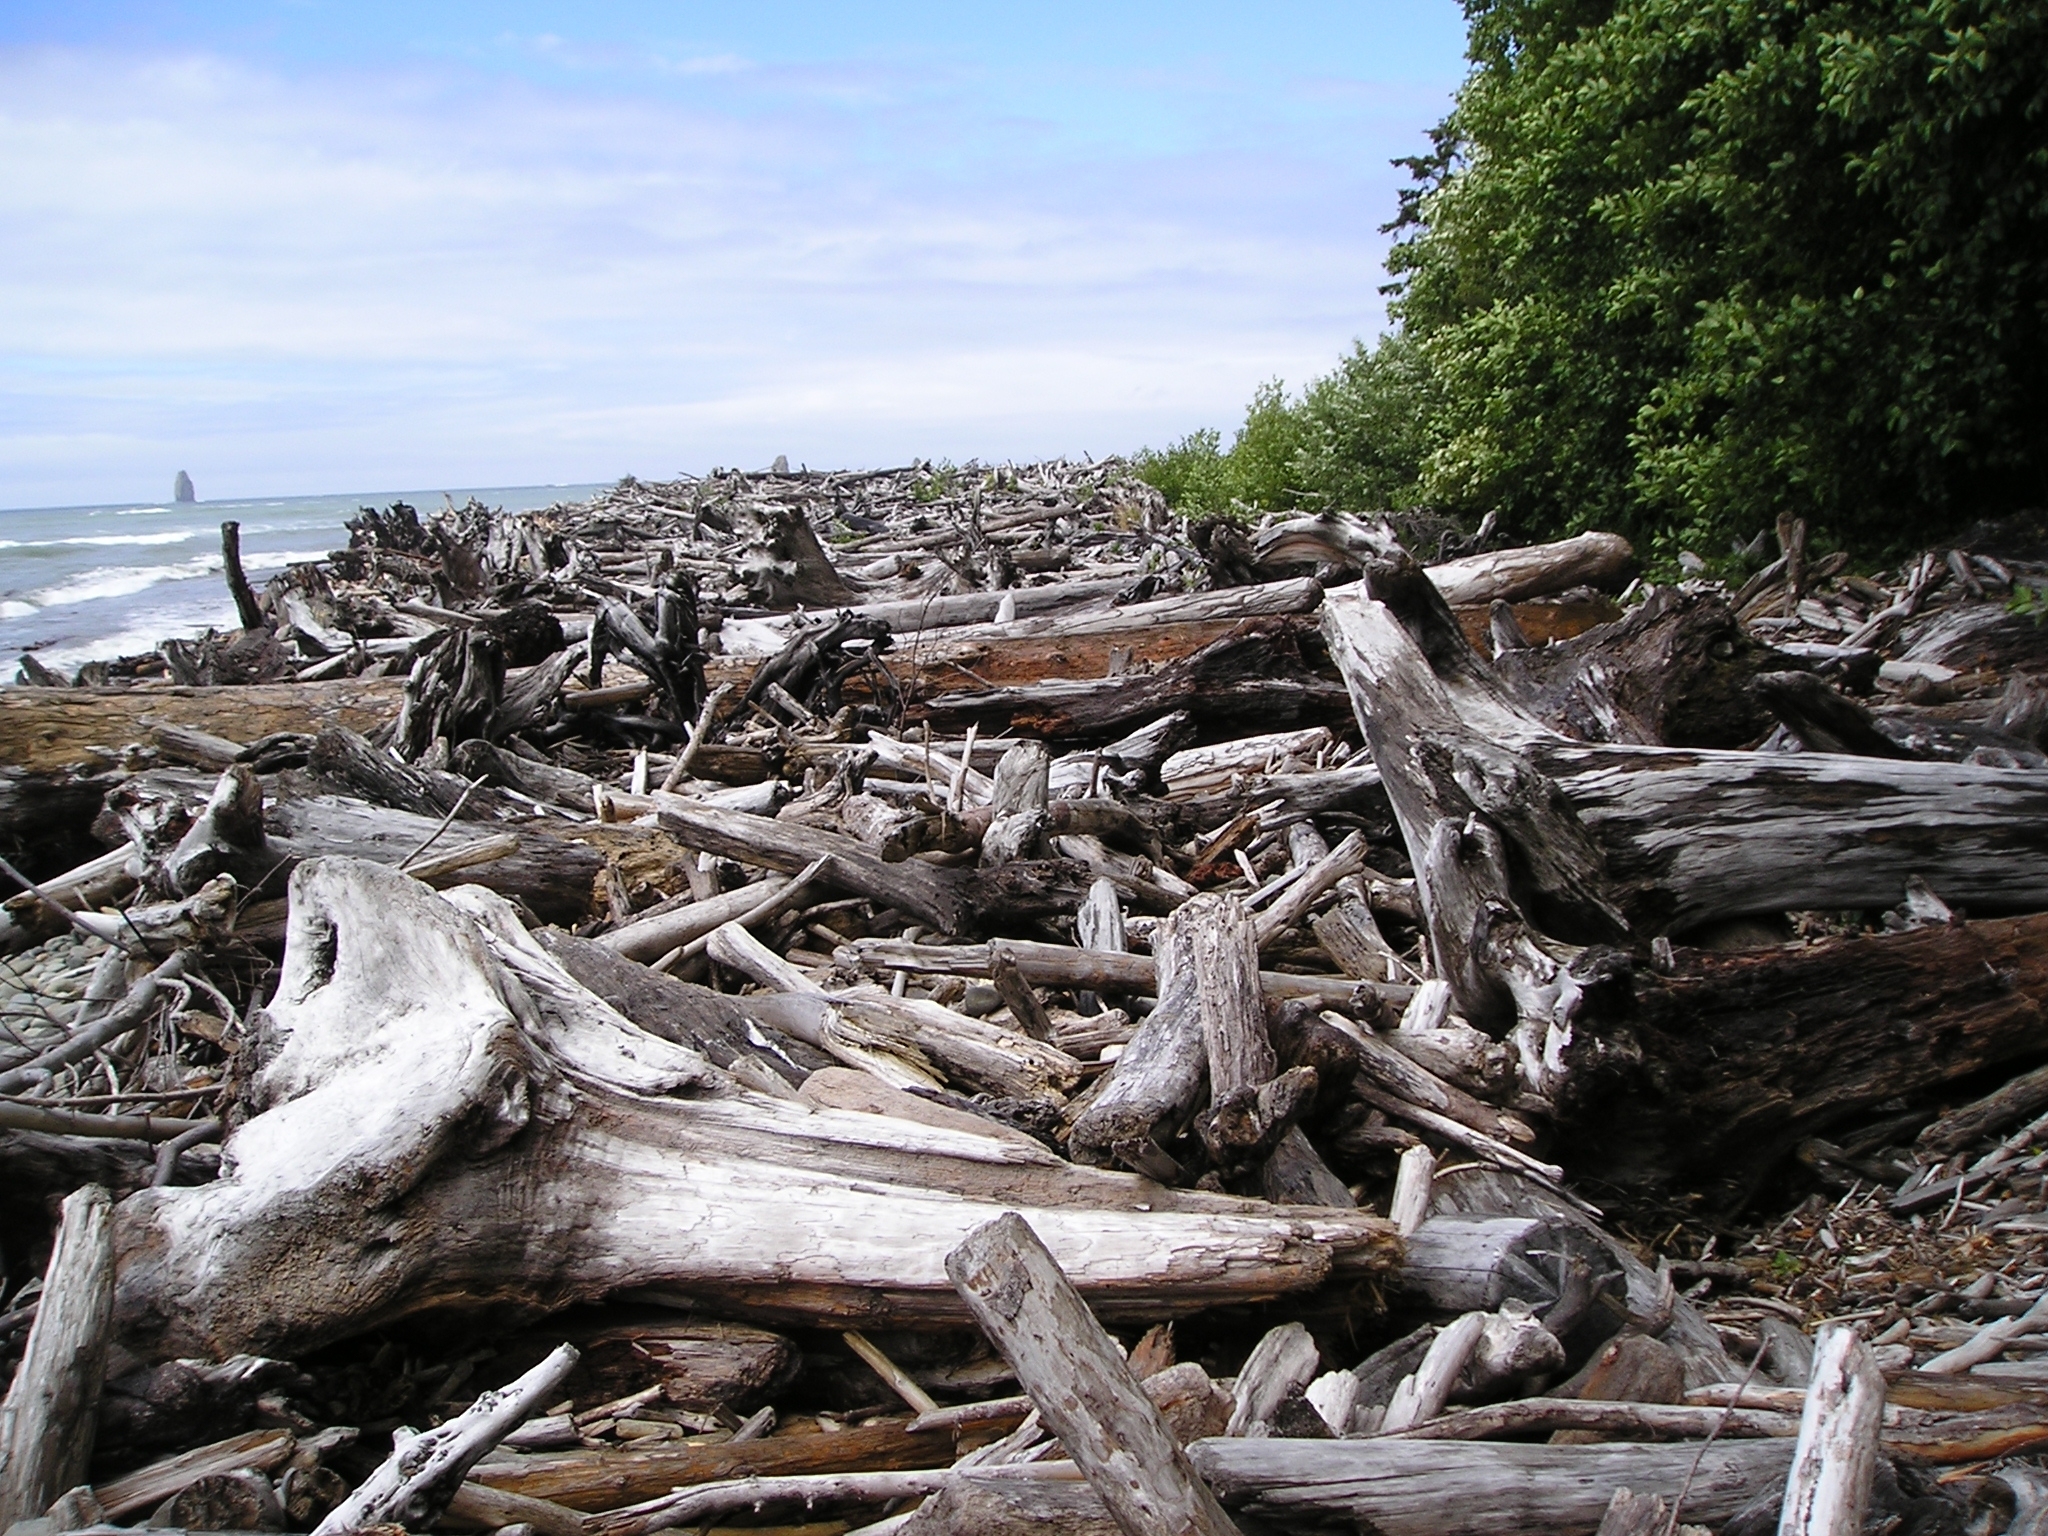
[{"x": 447, "y": 1120}]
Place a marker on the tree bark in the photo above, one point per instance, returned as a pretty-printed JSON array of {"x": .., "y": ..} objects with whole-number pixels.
[{"x": 1722, "y": 1067}]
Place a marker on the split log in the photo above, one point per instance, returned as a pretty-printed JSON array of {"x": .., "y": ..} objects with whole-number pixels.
[
  {"x": 1634, "y": 1514},
  {"x": 1078, "y": 1379},
  {"x": 50, "y": 1413},
  {"x": 447, "y": 1120}
]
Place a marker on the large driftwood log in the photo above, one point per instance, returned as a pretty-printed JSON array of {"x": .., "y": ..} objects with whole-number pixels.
[
  {"x": 1670, "y": 837},
  {"x": 1673, "y": 672},
  {"x": 1480, "y": 1488},
  {"x": 53, "y": 728},
  {"x": 1394, "y": 1487},
  {"x": 1258, "y": 671},
  {"x": 240, "y": 832},
  {"x": 1725, "y": 1065},
  {"x": 445, "y": 1119}
]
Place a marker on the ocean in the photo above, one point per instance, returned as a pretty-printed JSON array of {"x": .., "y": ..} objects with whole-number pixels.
[{"x": 82, "y": 584}]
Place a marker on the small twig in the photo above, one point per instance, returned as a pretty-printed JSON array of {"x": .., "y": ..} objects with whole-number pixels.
[
  {"x": 447, "y": 821},
  {"x": 1678, "y": 1504}
]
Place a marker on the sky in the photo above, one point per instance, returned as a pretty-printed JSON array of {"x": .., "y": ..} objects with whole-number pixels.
[{"x": 296, "y": 246}]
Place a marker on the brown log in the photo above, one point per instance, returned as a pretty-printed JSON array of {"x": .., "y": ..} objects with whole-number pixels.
[
  {"x": 1732, "y": 1060},
  {"x": 46, "y": 729},
  {"x": 1258, "y": 671}
]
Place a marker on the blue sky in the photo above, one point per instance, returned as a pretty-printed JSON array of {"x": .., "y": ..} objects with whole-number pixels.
[{"x": 298, "y": 247}]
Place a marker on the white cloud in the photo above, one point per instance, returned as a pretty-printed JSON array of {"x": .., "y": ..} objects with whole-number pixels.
[{"x": 291, "y": 283}]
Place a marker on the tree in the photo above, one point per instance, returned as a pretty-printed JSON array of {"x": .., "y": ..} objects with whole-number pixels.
[{"x": 1677, "y": 267}]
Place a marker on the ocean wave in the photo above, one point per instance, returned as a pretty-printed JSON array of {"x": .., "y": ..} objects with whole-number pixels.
[
  {"x": 136, "y": 639},
  {"x": 110, "y": 581},
  {"x": 139, "y": 511},
  {"x": 11, "y": 608},
  {"x": 277, "y": 560},
  {"x": 121, "y": 581},
  {"x": 104, "y": 540}
]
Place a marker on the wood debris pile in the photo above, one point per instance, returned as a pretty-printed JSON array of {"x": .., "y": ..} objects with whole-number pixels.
[{"x": 760, "y": 973}]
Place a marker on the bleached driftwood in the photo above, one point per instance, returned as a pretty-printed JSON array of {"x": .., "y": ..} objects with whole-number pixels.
[
  {"x": 1827, "y": 1491},
  {"x": 446, "y": 1119}
]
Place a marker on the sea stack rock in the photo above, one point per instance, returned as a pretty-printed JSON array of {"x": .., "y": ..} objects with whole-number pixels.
[{"x": 182, "y": 491}]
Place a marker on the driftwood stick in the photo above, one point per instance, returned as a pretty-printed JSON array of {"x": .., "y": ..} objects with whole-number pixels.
[
  {"x": 680, "y": 768},
  {"x": 1081, "y": 1384},
  {"x": 1340, "y": 863},
  {"x": 650, "y": 937},
  {"x": 772, "y": 905},
  {"x": 1421, "y": 1397},
  {"x": 246, "y": 611},
  {"x": 417, "y": 1480},
  {"x": 1989, "y": 1343},
  {"x": 921, "y": 1402},
  {"x": 696, "y": 1506},
  {"x": 1412, "y": 1179},
  {"x": 1828, "y": 1489},
  {"x": 48, "y": 1418}
]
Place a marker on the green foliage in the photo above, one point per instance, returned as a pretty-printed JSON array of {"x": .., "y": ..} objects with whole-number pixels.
[
  {"x": 1673, "y": 267},
  {"x": 1677, "y": 266},
  {"x": 1197, "y": 476},
  {"x": 1350, "y": 440},
  {"x": 2030, "y": 600}
]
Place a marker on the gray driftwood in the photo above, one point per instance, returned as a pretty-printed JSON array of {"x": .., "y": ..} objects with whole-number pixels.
[
  {"x": 48, "y": 1418},
  {"x": 1081, "y": 1384}
]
